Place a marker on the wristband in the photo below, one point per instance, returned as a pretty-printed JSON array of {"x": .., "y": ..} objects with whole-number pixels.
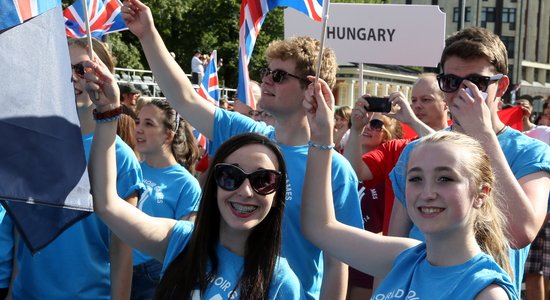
[
  {"x": 322, "y": 147},
  {"x": 107, "y": 116}
]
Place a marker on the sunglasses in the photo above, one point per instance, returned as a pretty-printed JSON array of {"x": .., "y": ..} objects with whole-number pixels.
[
  {"x": 78, "y": 69},
  {"x": 279, "y": 75},
  {"x": 230, "y": 177},
  {"x": 449, "y": 83},
  {"x": 376, "y": 125}
]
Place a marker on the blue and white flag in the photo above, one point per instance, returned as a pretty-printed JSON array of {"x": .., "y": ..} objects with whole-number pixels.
[{"x": 43, "y": 177}]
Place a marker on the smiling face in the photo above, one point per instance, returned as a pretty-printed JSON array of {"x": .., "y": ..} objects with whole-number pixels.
[
  {"x": 77, "y": 55},
  {"x": 243, "y": 209},
  {"x": 372, "y": 138},
  {"x": 151, "y": 134},
  {"x": 440, "y": 197},
  {"x": 286, "y": 96}
]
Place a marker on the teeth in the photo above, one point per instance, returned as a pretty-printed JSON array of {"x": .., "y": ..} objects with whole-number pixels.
[
  {"x": 430, "y": 210},
  {"x": 243, "y": 208}
]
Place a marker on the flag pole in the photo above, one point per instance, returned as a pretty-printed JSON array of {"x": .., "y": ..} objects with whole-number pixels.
[
  {"x": 89, "y": 38},
  {"x": 88, "y": 33},
  {"x": 326, "y": 4}
]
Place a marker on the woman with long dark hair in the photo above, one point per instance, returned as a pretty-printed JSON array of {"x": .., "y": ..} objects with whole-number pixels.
[{"x": 232, "y": 250}]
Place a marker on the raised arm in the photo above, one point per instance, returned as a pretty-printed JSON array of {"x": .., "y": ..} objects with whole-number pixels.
[
  {"x": 402, "y": 112},
  {"x": 134, "y": 227},
  {"x": 319, "y": 223},
  {"x": 353, "y": 152},
  {"x": 526, "y": 198},
  {"x": 172, "y": 80}
]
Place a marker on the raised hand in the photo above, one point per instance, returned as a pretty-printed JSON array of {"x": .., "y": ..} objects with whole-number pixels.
[
  {"x": 318, "y": 104},
  {"x": 471, "y": 111},
  {"x": 101, "y": 85},
  {"x": 402, "y": 110},
  {"x": 359, "y": 115},
  {"x": 137, "y": 17}
]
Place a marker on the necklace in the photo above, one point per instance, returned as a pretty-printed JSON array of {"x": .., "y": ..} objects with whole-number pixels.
[{"x": 501, "y": 130}]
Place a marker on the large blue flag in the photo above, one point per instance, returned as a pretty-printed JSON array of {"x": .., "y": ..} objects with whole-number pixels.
[
  {"x": 43, "y": 179},
  {"x": 253, "y": 13}
]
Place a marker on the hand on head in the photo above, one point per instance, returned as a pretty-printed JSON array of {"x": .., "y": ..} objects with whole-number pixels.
[
  {"x": 318, "y": 104},
  {"x": 101, "y": 85},
  {"x": 137, "y": 17}
]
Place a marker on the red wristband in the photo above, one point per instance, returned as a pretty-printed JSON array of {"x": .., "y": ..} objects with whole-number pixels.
[{"x": 98, "y": 116}]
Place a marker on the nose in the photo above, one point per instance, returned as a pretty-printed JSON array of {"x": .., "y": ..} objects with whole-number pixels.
[
  {"x": 245, "y": 190},
  {"x": 428, "y": 192}
]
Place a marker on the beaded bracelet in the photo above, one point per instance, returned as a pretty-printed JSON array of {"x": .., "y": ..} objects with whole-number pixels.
[
  {"x": 108, "y": 119},
  {"x": 322, "y": 147}
]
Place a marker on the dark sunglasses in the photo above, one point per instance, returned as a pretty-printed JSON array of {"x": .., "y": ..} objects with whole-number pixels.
[
  {"x": 230, "y": 177},
  {"x": 279, "y": 75},
  {"x": 78, "y": 69},
  {"x": 376, "y": 124},
  {"x": 449, "y": 83}
]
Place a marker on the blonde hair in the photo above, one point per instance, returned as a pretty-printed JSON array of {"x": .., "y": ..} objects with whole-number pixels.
[
  {"x": 392, "y": 129},
  {"x": 476, "y": 42},
  {"x": 304, "y": 50},
  {"x": 99, "y": 48},
  {"x": 489, "y": 222}
]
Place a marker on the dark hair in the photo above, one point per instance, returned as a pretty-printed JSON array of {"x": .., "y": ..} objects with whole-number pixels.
[
  {"x": 263, "y": 246},
  {"x": 184, "y": 145},
  {"x": 126, "y": 130}
]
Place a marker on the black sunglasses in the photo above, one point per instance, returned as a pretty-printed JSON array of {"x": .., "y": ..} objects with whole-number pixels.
[
  {"x": 376, "y": 125},
  {"x": 230, "y": 177},
  {"x": 78, "y": 69},
  {"x": 449, "y": 83},
  {"x": 279, "y": 75}
]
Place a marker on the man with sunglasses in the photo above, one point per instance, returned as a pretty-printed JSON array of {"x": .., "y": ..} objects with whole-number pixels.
[
  {"x": 475, "y": 64},
  {"x": 283, "y": 86}
]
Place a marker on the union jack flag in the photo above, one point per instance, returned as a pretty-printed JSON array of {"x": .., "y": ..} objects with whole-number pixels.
[
  {"x": 209, "y": 88},
  {"x": 15, "y": 12},
  {"x": 253, "y": 13},
  {"x": 105, "y": 17}
]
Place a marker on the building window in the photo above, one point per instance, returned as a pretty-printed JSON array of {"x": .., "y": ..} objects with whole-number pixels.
[
  {"x": 509, "y": 44},
  {"x": 487, "y": 15},
  {"x": 509, "y": 16},
  {"x": 456, "y": 14}
]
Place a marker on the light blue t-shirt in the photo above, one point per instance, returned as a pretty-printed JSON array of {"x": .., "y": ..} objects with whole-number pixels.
[
  {"x": 524, "y": 155},
  {"x": 413, "y": 277},
  {"x": 76, "y": 264},
  {"x": 170, "y": 192},
  {"x": 284, "y": 284},
  {"x": 304, "y": 258},
  {"x": 6, "y": 248}
]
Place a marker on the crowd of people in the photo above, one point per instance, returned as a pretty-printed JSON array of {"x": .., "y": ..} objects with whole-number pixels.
[{"x": 291, "y": 193}]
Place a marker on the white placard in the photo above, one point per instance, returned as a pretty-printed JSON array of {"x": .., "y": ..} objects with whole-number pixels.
[{"x": 409, "y": 35}]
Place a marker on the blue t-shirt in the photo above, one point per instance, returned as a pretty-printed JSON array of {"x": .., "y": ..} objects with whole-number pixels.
[
  {"x": 76, "y": 264},
  {"x": 6, "y": 248},
  {"x": 284, "y": 284},
  {"x": 304, "y": 258},
  {"x": 170, "y": 192},
  {"x": 413, "y": 277},
  {"x": 524, "y": 155}
]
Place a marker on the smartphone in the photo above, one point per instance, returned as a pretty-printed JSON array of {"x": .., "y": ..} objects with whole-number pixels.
[
  {"x": 469, "y": 92},
  {"x": 377, "y": 104}
]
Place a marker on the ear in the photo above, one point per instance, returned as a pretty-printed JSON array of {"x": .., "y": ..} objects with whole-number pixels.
[
  {"x": 503, "y": 85},
  {"x": 482, "y": 196},
  {"x": 170, "y": 135}
]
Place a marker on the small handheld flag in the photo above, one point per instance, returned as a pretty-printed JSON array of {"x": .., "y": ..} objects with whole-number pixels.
[{"x": 104, "y": 17}]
